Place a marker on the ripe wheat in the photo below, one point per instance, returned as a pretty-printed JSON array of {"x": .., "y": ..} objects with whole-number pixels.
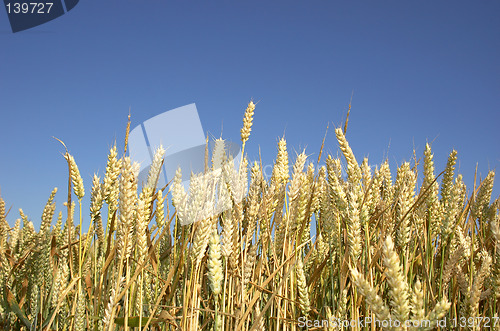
[{"x": 239, "y": 251}]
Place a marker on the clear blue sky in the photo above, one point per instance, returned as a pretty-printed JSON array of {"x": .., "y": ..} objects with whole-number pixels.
[{"x": 420, "y": 71}]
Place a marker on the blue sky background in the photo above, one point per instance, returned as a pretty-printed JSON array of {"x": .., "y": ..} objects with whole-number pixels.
[{"x": 420, "y": 71}]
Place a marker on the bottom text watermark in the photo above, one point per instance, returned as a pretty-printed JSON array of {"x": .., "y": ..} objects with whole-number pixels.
[{"x": 485, "y": 322}]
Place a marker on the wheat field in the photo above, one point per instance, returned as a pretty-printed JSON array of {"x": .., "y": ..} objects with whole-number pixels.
[{"x": 340, "y": 246}]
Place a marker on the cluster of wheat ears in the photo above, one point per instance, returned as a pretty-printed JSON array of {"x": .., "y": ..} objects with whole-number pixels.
[{"x": 340, "y": 242}]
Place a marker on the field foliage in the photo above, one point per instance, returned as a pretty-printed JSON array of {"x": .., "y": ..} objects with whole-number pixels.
[{"x": 334, "y": 243}]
